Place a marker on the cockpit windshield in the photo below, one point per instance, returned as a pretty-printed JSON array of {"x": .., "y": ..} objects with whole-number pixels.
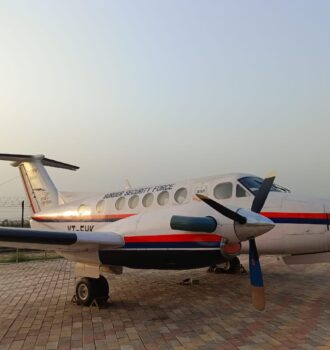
[{"x": 253, "y": 184}]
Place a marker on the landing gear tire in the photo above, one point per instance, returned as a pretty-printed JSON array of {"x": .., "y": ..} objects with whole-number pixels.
[
  {"x": 85, "y": 291},
  {"x": 88, "y": 289}
]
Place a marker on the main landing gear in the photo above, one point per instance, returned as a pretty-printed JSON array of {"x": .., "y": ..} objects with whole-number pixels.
[
  {"x": 91, "y": 289},
  {"x": 231, "y": 266}
]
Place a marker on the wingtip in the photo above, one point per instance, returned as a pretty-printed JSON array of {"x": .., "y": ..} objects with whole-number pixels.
[
  {"x": 271, "y": 174},
  {"x": 258, "y": 297}
]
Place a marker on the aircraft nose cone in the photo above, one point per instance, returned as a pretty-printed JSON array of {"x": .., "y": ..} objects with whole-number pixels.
[{"x": 255, "y": 226}]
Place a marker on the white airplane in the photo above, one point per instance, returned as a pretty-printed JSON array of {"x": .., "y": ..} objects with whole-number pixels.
[{"x": 172, "y": 226}]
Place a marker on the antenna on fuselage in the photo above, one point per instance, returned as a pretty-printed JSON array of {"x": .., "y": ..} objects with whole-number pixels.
[{"x": 128, "y": 185}]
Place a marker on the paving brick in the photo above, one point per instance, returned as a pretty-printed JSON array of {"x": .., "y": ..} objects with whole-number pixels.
[{"x": 152, "y": 310}]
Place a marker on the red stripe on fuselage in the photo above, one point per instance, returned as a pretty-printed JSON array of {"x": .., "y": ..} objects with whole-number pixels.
[
  {"x": 81, "y": 218},
  {"x": 294, "y": 215}
]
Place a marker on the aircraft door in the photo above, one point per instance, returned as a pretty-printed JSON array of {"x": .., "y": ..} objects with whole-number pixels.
[{"x": 306, "y": 233}]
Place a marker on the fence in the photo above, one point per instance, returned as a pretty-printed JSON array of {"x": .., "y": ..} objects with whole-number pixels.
[
  {"x": 14, "y": 212},
  {"x": 13, "y": 208}
]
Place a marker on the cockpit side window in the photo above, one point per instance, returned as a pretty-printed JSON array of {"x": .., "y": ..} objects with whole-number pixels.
[
  {"x": 240, "y": 192},
  {"x": 253, "y": 183}
]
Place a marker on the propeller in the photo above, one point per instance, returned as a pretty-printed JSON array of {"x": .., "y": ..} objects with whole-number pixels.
[{"x": 256, "y": 280}]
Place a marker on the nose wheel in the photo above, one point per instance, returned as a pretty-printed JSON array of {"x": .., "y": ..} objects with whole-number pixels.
[
  {"x": 232, "y": 266},
  {"x": 89, "y": 289}
]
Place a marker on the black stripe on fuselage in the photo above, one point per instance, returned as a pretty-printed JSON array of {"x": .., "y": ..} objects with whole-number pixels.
[{"x": 161, "y": 259}]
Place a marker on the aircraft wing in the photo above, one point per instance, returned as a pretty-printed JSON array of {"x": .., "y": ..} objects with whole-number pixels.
[{"x": 58, "y": 240}]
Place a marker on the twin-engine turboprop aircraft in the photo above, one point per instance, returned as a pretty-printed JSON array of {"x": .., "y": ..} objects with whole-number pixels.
[{"x": 173, "y": 226}]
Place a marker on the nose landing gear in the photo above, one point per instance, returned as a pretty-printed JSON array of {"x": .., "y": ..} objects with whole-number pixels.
[
  {"x": 90, "y": 289},
  {"x": 231, "y": 266}
]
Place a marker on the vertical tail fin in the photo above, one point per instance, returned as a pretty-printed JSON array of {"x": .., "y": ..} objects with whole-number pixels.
[{"x": 39, "y": 187}]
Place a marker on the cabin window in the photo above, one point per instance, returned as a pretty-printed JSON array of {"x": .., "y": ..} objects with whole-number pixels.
[
  {"x": 223, "y": 190},
  {"x": 148, "y": 200},
  {"x": 100, "y": 206},
  {"x": 180, "y": 195},
  {"x": 133, "y": 201},
  {"x": 120, "y": 202},
  {"x": 84, "y": 210},
  {"x": 163, "y": 198},
  {"x": 240, "y": 192}
]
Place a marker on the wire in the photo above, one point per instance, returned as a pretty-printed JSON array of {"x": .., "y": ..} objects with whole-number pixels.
[
  {"x": 13, "y": 202},
  {"x": 10, "y": 180}
]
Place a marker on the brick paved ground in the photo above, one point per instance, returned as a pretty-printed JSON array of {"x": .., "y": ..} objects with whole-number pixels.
[{"x": 151, "y": 310}]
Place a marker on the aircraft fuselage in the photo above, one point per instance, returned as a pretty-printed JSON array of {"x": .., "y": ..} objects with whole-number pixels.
[{"x": 302, "y": 223}]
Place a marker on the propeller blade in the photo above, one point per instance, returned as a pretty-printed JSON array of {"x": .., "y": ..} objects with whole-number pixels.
[
  {"x": 262, "y": 194},
  {"x": 222, "y": 209},
  {"x": 256, "y": 280}
]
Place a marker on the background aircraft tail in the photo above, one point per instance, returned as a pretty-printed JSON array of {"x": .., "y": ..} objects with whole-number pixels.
[{"x": 39, "y": 187}]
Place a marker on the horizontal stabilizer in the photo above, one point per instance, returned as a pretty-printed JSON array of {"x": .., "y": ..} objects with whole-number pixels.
[
  {"x": 20, "y": 158},
  {"x": 59, "y": 240}
]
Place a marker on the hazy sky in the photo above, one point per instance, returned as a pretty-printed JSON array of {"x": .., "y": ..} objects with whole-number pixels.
[{"x": 157, "y": 91}]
